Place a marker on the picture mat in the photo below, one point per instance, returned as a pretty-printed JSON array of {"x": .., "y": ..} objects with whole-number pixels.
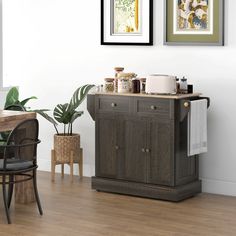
[
  {"x": 108, "y": 27},
  {"x": 175, "y": 23},
  {"x": 216, "y": 38},
  {"x": 115, "y": 21}
]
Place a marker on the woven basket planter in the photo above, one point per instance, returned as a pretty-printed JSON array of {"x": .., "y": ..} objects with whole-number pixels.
[{"x": 64, "y": 145}]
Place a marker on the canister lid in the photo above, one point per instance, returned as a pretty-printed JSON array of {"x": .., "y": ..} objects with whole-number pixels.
[
  {"x": 127, "y": 75},
  {"x": 109, "y": 79},
  {"x": 119, "y": 69},
  {"x": 123, "y": 78}
]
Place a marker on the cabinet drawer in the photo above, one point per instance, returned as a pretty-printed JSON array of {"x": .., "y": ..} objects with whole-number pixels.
[
  {"x": 113, "y": 103},
  {"x": 153, "y": 106}
]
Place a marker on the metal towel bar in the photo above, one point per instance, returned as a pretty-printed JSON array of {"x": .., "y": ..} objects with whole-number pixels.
[{"x": 185, "y": 106}]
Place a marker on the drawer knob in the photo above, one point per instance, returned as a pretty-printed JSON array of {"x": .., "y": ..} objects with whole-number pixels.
[
  {"x": 113, "y": 104},
  {"x": 148, "y": 150},
  {"x": 143, "y": 150},
  {"x": 153, "y": 107},
  {"x": 117, "y": 147},
  {"x": 186, "y": 104}
]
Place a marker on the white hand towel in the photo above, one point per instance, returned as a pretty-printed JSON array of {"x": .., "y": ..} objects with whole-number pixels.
[{"x": 197, "y": 127}]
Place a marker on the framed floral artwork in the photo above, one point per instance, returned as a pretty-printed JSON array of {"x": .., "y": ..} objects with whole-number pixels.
[
  {"x": 194, "y": 22},
  {"x": 127, "y": 22}
]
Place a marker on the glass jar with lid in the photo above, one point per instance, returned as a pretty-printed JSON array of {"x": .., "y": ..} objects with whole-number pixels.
[
  {"x": 123, "y": 85},
  {"x": 183, "y": 85},
  {"x": 125, "y": 82},
  {"x": 135, "y": 85},
  {"x": 118, "y": 70},
  {"x": 109, "y": 85}
]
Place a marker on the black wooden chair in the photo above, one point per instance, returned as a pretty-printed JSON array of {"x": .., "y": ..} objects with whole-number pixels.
[
  {"x": 4, "y": 135},
  {"x": 20, "y": 159}
]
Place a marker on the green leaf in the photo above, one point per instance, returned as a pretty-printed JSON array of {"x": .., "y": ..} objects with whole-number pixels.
[
  {"x": 45, "y": 115},
  {"x": 4, "y": 136},
  {"x": 63, "y": 113},
  {"x": 42, "y": 110},
  {"x": 79, "y": 95},
  {"x": 23, "y": 103},
  {"x": 12, "y": 97},
  {"x": 15, "y": 107},
  {"x": 76, "y": 115}
]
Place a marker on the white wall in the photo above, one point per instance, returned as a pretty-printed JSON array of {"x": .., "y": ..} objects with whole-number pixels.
[
  {"x": 53, "y": 46},
  {"x": 1, "y": 82},
  {"x": 3, "y": 91}
]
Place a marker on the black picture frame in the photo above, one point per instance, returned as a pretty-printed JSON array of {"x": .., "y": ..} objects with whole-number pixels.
[{"x": 150, "y": 31}]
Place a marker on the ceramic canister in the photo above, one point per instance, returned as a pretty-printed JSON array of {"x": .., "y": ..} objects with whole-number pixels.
[
  {"x": 123, "y": 85},
  {"x": 125, "y": 82}
]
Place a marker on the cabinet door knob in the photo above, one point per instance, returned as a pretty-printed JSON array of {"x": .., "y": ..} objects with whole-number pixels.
[
  {"x": 113, "y": 104},
  {"x": 148, "y": 150},
  {"x": 153, "y": 107},
  {"x": 143, "y": 150},
  {"x": 117, "y": 147}
]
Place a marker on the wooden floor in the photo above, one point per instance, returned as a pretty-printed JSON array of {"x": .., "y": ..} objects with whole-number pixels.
[{"x": 75, "y": 209}]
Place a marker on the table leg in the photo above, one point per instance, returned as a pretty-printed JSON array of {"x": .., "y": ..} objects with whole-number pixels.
[{"x": 24, "y": 191}]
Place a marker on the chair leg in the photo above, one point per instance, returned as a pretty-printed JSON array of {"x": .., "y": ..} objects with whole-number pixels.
[
  {"x": 62, "y": 171},
  {"x": 10, "y": 190},
  {"x": 5, "y": 199},
  {"x": 71, "y": 166},
  {"x": 80, "y": 163},
  {"x": 36, "y": 192},
  {"x": 53, "y": 165}
]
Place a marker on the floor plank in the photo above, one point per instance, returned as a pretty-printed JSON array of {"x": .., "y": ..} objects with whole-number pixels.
[{"x": 75, "y": 209}]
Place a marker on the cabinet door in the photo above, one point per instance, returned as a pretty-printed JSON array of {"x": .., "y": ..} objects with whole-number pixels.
[
  {"x": 135, "y": 136},
  {"x": 161, "y": 153},
  {"x": 106, "y": 161}
]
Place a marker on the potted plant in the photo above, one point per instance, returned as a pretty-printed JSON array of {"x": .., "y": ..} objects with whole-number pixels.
[
  {"x": 67, "y": 113},
  {"x": 66, "y": 143},
  {"x": 13, "y": 102},
  {"x": 12, "y": 99}
]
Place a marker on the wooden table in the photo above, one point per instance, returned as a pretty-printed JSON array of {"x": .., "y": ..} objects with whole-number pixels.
[{"x": 8, "y": 121}]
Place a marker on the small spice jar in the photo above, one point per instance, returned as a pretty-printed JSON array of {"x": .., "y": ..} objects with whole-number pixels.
[
  {"x": 109, "y": 85},
  {"x": 183, "y": 85},
  {"x": 177, "y": 84},
  {"x": 143, "y": 85},
  {"x": 135, "y": 85}
]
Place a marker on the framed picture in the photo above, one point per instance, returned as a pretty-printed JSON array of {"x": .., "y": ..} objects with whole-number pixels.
[
  {"x": 194, "y": 22},
  {"x": 127, "y": 22}
]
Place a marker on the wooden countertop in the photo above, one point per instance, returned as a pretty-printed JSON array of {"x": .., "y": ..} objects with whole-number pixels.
[
  {"x": 175, "y": 96},
  {"x": 9, "y": 119},
  {"x": 6, "y": 115}
]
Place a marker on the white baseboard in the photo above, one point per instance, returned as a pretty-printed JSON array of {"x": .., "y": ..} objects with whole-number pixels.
[
  {"x": 208, "y": 185},
  {"x": 219, "y": 187}
]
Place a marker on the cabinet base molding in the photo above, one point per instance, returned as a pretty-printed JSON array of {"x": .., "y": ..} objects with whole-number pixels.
[{"x": 174, "y": 194}]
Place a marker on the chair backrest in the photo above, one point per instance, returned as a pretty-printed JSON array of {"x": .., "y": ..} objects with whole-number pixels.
[
  {"x": 15, "y": 107},
  {"x": 22, "y": 142}
]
